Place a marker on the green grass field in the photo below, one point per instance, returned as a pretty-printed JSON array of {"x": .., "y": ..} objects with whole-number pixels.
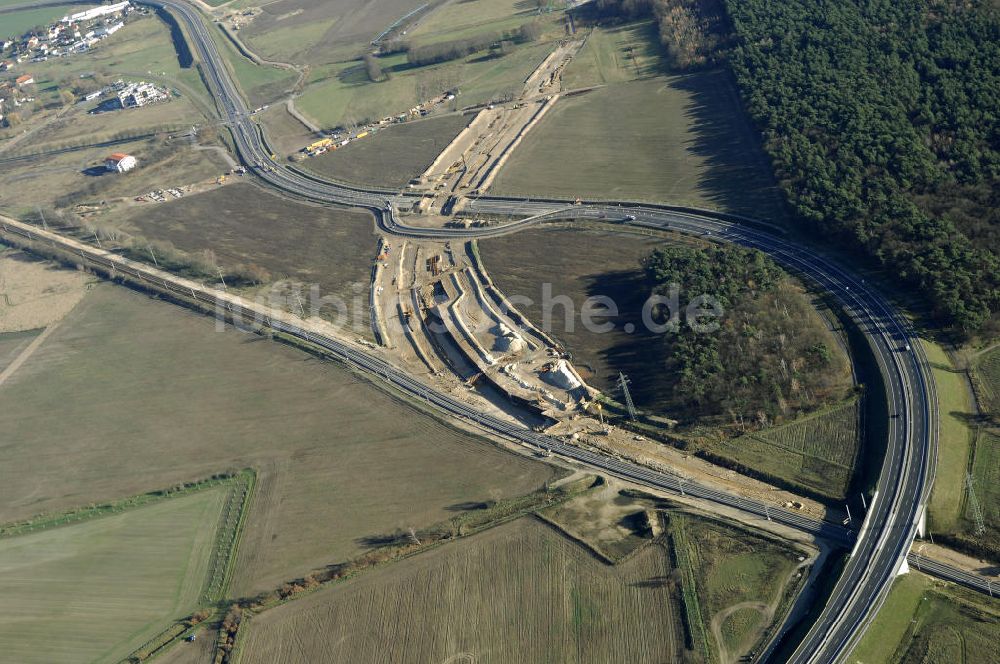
[
  {"x": 616, "y": 54},
  {"x": 15, "y": 24},
  {"x": 986, "y": 484},
  {"x": 342, "y": 93},
  {"x": 261, "y": 84},
  {"x": 391, "y": 157},
  {"x": 465, "y": 18},
  {"x": 338, "y": 461},
  {"x": 818, "y": 451},
  {"x": 926, "y": 622},
  {"x": 954, "y": 444},
  {"x": 680, "y": 140},
  {"x": 518, "y": 592},
  {"x": 350, "y": 27},
  {"x": 986, "y": 373},
  {"x": 96, "y": 590},
  {"x": 732, "y": 570},
  {"x": 285, "y": 134},
  {"x": 12, "y": 343}
]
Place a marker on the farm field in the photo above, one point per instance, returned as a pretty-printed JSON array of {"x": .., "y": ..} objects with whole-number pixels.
[
  {"x": 97, "y": 590},
  {"x": 589, "y": 261},
  {"x": 986, "y": 484},
  {"x": 579, "y": 263},
  {"x": 617, "y": 54},
  {"x": 80, "y": 127},
  {"x": 391, "y": 157},
  {"x": 818, "y": 451},
  {"x": 986, "y": 372},
  {"x": 741, "y": 581},
  {"x": 261, "y": 84},
  {"x": 517, "y": 592},
  {"x": 34, "y": 295},
  {"x": 338, "y": 461},
  {"x": 679, "y": 140},
  {"x": 285, "y": 134},
  {"x": 461, "y": 19},
  {"x": 350, "y": 26},
  {"x": 243, "y": 224},
  {"x": 342, "y": 94},
  {"x": 954, "y": 444},
  {"x": 926, "y": 622},
  {"x": 13, "y": 344}
]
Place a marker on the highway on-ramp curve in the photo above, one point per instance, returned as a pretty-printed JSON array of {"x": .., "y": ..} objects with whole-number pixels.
[{"x": 904, "y": 484}]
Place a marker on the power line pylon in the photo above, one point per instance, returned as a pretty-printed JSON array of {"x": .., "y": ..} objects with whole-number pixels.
[{"x": 623, "y": 383}]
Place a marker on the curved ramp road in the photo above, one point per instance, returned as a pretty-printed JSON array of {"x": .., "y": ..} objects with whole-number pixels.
[{"x": 908, "y": 469}]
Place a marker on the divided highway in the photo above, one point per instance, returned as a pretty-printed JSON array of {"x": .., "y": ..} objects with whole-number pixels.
[{"x": 890, "y": 524}]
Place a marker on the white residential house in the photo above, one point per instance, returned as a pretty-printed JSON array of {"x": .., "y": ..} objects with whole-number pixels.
[{"x": 120, "y": 162}]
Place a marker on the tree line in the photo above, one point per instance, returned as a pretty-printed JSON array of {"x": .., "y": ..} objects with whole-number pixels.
[{"x": 881, "y": 119}]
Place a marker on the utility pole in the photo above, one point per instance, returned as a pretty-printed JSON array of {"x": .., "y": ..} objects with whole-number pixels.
[
  {"x": 623, "y": 383},
  {"x": 222, "y": 279},
  {"x": 977, "y": 510},
  {"x": 150, "y": 248},
  {"x": 848, "y": 514},
  {"x": 863, "y": 502}
]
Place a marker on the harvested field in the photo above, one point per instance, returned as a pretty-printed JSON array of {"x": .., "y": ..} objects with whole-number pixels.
[
  {"x": 391, "y": 157},
  {"x": 96, "y": 590},
  {"x": 680, "y": 140},
  {"x": 242, "y": 224},
  {"x": 817, "y": 451},
  {"x": 518, "y": 592},
  {"x": 733, "y": 570},
  {"x": 35, "y": 294},
  {"x": 986, "y": 373},
  {"x": 579, "y": 263},
  {"x": 338, "y": 461}
]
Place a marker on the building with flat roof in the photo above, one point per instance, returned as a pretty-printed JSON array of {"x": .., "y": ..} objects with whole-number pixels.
[{"x": 120, "y": 162}]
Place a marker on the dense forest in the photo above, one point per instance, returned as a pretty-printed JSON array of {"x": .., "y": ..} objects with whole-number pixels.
[
  {"x": 881, "y": 120},
  {"x": 770, "y": 357}
]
